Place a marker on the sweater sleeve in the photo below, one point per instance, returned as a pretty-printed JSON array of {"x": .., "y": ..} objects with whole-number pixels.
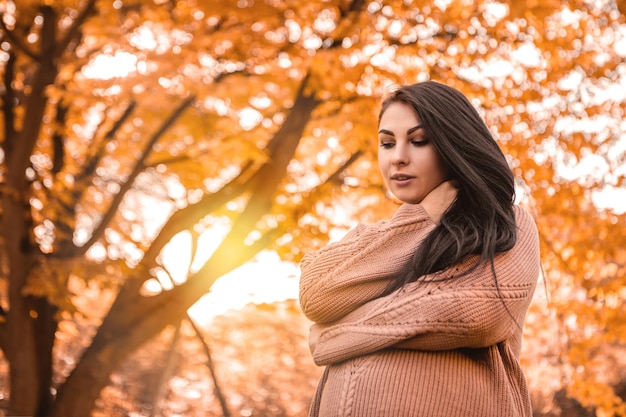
[
  {"x": 441, "y": 312},
  {"x": 349, "y": 273}
]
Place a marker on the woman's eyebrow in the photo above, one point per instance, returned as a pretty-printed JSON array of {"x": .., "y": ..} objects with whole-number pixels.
[
  {"x": 408, "y": 132},
  {"x": 413, "y": 129}
]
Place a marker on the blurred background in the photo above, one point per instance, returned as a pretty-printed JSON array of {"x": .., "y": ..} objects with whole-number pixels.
[{"x": 165, "y": 164}]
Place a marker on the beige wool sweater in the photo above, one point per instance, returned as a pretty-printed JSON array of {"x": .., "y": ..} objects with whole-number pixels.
[{"x": 439, "y": 347}]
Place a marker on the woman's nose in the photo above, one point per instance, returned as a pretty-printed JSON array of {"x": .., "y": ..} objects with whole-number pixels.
[{"x": 400, "y": 155}]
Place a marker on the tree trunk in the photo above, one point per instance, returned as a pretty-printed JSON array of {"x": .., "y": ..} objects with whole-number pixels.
[
  {"x": 21, "y": 351},
  {"x": 27, "y": 357},
  {"x": 45, "y": 332}
]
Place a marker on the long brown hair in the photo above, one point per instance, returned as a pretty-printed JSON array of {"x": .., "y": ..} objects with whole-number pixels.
[{"x": 481, "y": 220}]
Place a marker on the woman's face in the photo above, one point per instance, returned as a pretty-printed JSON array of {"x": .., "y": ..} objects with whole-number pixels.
[{"x": 408, "y": 161}]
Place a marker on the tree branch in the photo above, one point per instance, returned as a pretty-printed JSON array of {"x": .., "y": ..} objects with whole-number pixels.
[
  {"x": 17, "y": 42},
  {"x": 94, "y": 161},
  {"x": 187, "y": 217},
  {"x": 281, "y": 150},
  {"x": 58, "y": 148},
  {"x": 313, "y": 194},
  {"x": 3, "y": 330},
  {"x": 335, "y": 176},
  {"x": 209, "y": 363},
  {"x": 348, "y": 20},
  {"x": 264, "y": 181},
  {"x": 35, "y": 104},
  {"x": 231, "y": 253},
  {"x": 355, "y": 7},
  {"x": 74, "y": 29},
  {"x": 7, "y": 104},
  {"x": 127, "y": 185}
]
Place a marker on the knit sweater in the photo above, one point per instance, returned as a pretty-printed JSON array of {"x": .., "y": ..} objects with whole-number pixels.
[{"x": 442, "y": 346}]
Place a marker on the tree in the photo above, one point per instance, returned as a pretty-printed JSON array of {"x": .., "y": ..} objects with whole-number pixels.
[
  {"x": 261, "y": 113},
  {"x": 75, "y": 163}
]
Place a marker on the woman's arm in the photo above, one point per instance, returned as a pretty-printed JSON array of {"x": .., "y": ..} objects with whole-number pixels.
[
  {"x": 358, "y": 269},
  {"x": 349, "y": 273},
  {"x": 440, "y": 312}
]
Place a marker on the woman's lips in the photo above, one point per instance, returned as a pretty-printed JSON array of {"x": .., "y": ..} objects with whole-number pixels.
[{"x": 401, "y": 179}]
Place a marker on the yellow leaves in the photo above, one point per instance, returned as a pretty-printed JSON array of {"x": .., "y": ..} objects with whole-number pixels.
[
  {"x": 49, "y": 280},
  {"x": 458, "y": 12},
  {"x": 330, "y": 77},
  {"x": 235, "y": 90},
  {"x": 599, "y": 396},
  {"x": 534, "y": 10},
  {"x": 587, "y": 296}
]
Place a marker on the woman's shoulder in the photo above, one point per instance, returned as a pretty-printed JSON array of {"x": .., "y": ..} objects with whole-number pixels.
[
  {"x": 526, "y": 227},
  {"x": 523, "y": 217}
]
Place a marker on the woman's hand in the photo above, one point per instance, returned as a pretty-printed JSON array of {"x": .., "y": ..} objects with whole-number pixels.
[{"x": 439, "y": 199}]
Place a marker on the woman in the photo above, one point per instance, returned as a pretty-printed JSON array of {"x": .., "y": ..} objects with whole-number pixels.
[{"x": 422, "y": 314}]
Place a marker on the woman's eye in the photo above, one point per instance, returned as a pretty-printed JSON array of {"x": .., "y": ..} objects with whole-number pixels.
[
  {"x": 386, "y": 145},
  {"x": 419, "y": 142}
]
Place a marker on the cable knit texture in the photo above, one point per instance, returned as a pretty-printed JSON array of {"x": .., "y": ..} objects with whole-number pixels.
[{"x": 443, "y": 346}]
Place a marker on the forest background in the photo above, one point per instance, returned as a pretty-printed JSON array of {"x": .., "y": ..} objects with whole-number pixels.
[{"x": 139, "y": 136}]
